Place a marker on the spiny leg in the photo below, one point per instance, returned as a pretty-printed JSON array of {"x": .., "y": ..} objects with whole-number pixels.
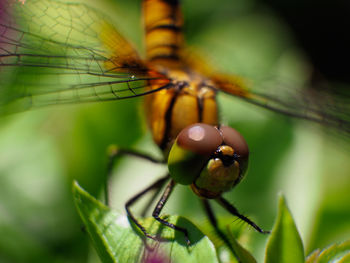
[
  {"x": 233, "y": 210},
  {"x": 150, "y": 201},
  {"x": 169, "y": 188},
  {"x": 115, "y": 152},
  {"x": 214, "y": 223},
  {"x": 158, "y": 184}
]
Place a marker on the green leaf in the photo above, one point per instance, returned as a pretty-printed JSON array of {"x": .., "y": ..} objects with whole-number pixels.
[
  {"x": 284, "y": 244},
  {"x": 241, "y": 252},
  {"x": 233, "y": 233},
  {"x": 313, "y": 257},
  {"x": 335, "y": 253},
  {"x": 117, "y": 241}
]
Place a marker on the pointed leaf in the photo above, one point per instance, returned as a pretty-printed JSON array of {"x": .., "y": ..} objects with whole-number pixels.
[{"x": 284, "y": 244}]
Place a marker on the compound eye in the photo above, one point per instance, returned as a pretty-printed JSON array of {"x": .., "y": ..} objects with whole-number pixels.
[
  {"x": 200, "y": 138},
  {"x": 234, "y": 139}
]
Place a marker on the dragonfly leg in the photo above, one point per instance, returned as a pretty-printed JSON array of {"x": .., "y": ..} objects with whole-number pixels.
[
  {"x": 158, "y": 184},
  {"x": 169, "y": 188},
  {"x": 233, "y": 210},
  {"x": 151, "y": 200},
  {"x": 115, "y": 152},
  {"x": 214, "y": 223}
]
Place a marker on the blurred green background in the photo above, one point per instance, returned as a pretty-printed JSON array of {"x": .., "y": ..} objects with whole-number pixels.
[{"x": 42, "y": 151}]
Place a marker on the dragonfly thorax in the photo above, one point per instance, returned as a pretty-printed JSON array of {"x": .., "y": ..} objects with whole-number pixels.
[{"x": 188, "y": 99}]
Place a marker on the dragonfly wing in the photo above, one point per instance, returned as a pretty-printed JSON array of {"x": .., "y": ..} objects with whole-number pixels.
[
  {"x": 59, "y": 53},
  {"x": 319, "y": 103}
]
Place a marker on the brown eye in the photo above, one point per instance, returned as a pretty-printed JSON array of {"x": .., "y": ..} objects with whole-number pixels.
[
  {"x": 200, "y": 138},
  {"x": 234, "y": 139}
]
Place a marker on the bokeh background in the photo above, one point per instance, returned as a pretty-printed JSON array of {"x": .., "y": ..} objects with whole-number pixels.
[{"x": 42, "y": 151}]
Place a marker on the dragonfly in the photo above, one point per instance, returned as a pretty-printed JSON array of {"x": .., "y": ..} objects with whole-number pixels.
[{"x": 78, "y": 56}]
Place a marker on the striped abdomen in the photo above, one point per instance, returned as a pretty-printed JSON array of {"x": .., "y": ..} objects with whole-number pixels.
[{"x": 163, "y": 24}]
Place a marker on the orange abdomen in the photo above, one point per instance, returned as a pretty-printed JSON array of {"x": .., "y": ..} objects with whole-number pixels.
[
  {"x": 163, "y": 24},
  {"x": 186, "y": 100}
]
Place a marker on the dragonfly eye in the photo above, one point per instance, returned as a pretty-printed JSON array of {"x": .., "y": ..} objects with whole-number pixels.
[
  {"x": 191, "y": 150},
  {"x": 234, "y": 139},
  {"x": 200, "y": 138}
]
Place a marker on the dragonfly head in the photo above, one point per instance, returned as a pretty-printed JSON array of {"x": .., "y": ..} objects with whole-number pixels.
[{"x": 210, "y": 159}]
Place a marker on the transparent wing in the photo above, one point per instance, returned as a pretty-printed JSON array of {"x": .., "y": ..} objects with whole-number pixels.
[
  {"x": 58, "y": 53},
  {"x": 323, "y": 103}
]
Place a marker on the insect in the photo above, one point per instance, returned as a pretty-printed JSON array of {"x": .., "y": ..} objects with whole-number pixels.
[{"x": 89, "y": 61}]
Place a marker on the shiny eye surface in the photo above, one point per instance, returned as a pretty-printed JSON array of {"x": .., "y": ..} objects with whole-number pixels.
[
  {"x": 200, "y": 138},
  {"x": 234, "y": 139}
]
